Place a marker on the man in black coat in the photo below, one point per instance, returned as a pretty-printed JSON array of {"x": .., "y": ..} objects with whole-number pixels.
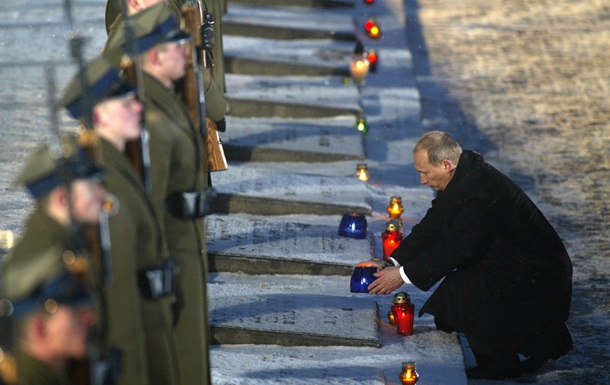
[{"x": 506, "y": 276}]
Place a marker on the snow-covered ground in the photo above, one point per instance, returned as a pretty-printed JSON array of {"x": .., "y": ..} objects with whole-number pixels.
[{"x": 30, "y": 37}]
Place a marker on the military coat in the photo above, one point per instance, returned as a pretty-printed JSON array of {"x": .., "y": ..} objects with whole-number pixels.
[
  {"x": 505, "y": 272},
  {"x": 141, "y": 327},
  {"x": 42, "y": 236},
  {"x": 31, "y": 371},
  {"x": 213, "y": 80},
  {"x": 177, "y": 160}
]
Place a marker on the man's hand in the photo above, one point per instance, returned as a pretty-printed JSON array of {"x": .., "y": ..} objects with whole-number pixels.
[{"x": 388, "y": 280}]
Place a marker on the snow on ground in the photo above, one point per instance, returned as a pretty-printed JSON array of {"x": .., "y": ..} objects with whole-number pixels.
[{"x": 32, "y": 36}]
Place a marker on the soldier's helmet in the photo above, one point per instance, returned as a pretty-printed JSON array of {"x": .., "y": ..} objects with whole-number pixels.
[{"x": 48, "y": 168}]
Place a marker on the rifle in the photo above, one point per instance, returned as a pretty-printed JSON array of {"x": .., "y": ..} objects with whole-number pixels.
[
  {"x": 198, "y": 22},
  {"x": 138, "y": 151},
  {"x": 101, "y": 366}
]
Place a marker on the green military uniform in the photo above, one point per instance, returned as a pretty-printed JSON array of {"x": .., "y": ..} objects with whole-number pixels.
[
  {"x": 44, "y": 254},
  {"x": 47, "y": 247},
  {"x": 42, "y": 235},
  {"x": 141, "y": 327},
  {"x": 214, "y": 88},
  {"x": 31, "y": 371},
  {"x": 177, "y": 166},
  {"x": 139, "y": 300}
]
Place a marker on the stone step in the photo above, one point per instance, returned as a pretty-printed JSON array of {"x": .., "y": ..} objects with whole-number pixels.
[
  {"x": 291, "y": 96},
  {"x": 293, "y": 244},
  {"x": 286, "y": 311},
  {"x": 283, "y": 23},
  {"x": 263, "y": 191},
  {"x": 296, "y": 3},
  {"x": 256, "y": 56},
  {"x": 292, "y": 140}
]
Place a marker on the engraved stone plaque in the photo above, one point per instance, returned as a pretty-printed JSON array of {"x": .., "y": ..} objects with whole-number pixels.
[
  {"x": 318, "y": 22},
  {"x": 291, "y": 96},
  {"x": 292, "y": 140},
  {"x": 286, "y": 310},
  {"x": 269, "y": 192},
  {"x": 287, "y": 57},
  {"x": 285, "y": 241}
]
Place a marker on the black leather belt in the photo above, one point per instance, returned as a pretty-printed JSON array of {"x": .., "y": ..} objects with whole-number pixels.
[{"x": 158, "y": 282}]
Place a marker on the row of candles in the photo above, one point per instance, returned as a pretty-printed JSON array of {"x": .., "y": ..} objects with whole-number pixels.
[
  {"x": 354, "y": 225},
  {"x": 393, "y": 234},
  {"x": 362, "y": 63},
  {"x": 402, "y": 311}
]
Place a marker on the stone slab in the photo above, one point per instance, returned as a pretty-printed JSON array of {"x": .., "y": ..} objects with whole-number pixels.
[
  {"x": 291, "y": 96},
  {"x": 292, "y": 140},
  {"x": 285, "y": 23},
  {"x": 285, "y": 311},
  {"x": 257, "y": 56},
  {"x": 299, "y": 3},
  {"x": 263, "y": 191},
  {"x": 293, "y": 244}
]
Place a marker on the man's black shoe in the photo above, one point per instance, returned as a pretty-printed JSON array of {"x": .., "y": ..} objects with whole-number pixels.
[
  {"x": 554, "y": 342},
  {"x": 533, "y": 364},
  {"x": 496, "y": 370}
]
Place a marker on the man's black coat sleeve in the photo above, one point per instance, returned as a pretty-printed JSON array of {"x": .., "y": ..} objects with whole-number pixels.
[{"x": 454, "y": 234}]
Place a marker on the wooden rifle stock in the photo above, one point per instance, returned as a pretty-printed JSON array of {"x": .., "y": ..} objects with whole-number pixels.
[{"x": 193, "y": 90}]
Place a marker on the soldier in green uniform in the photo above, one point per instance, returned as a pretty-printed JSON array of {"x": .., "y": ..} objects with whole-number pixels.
[
  {"x": 179, "y": 183},
  {"x": 51, "y": 314},
  {"x": 214, "y": 85},
  {"x": 141, "y": 296},
  {"x": 40, "y": 274}
]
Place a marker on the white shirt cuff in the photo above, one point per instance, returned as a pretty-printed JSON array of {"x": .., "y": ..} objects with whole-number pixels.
[
  {"x": 403, "y": 275},
  {"x": 402, "y": 270}
]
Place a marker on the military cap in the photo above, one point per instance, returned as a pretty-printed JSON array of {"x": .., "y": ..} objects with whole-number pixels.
[
  {"x": 44, "y": 170},
  {"x": 103, "y": 81},
  {"x": 112, "y": 12},
  {"x": 37, "y": 287},
  {"x": 152, "y": 26}
]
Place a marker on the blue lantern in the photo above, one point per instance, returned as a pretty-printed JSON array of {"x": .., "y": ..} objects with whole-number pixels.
[
  {"x": 353, "y": 225},
  {"x": 362, "y": 277}
]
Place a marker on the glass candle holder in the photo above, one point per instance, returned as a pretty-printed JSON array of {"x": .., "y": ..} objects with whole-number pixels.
[
  {"x": 403, "y": 311},
  {"x": 362, "y": 172},
  {"x": 353, "y": 225},
  {"x": 409, "y": 374},
  {"x": 395, "y": 208},
  {"x": 362, "y": 277}
]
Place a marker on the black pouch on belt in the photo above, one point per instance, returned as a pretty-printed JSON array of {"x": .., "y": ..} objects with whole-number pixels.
[
  {"x": 158, "y": 282},
  {"x": 187, "y": 204}
]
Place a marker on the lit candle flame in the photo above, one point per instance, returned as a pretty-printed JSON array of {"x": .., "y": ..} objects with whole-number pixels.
[{"x": 362, "y": 172}]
